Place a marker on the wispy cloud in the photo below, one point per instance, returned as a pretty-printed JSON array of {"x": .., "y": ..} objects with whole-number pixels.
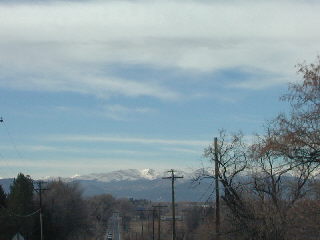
[
  {"x": 262, "y": 82},
  {"x": 117, "y": 139},
  {"x": 77, "y": 150},
  {"x": 92, "y": 85},
  {"x": 80, "y": 164},
  {"x": 184, "y": 150},
  {"x": 124, "y": 113},
  {"x": 67, "y": 167},
  {"x": 116, "y": 112}
]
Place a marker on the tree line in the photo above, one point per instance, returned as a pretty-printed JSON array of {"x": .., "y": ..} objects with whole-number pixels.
[
  {"x": 271, "y": 187},
  {"x": 67, "y": 215}
]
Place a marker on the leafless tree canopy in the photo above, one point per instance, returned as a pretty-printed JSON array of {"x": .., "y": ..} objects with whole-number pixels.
[{"x": 266, "y": 181}]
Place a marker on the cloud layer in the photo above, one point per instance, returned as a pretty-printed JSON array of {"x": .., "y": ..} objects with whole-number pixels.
[
  {"x": 117, "y": 139},
  {"x": 72, "y": 46}
]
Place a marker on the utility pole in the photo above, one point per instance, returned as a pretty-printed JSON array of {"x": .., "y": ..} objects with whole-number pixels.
[
  {"x": 216, "y": 161},
  {"x": 153, "y": 215},
  {"x": 40, "y": 189},
  {"x": 159, "y": 219},
  {"x": 141, "y": 225},
  {"x": 173, "y": 177},
  {"x": 144, "y": 210}
]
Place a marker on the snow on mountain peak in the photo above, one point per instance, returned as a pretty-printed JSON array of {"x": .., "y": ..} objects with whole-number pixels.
[
  {"x": 126, "y": 175},
  {"x": 149, "y": 174},
  {"x": 120, "y": 175},
  {"x": 75, "y": 176}
]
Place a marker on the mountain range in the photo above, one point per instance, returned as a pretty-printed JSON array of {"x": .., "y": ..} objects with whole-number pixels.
[{"x": 138, "y": 184}]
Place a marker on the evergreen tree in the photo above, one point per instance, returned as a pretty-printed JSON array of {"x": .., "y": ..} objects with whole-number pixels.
[
  {"x": 20, "y": 205},
  {"x": 3, "y": 214},
  {"x": 3, "y": 198},
  {"x": 21, "y": 195}
]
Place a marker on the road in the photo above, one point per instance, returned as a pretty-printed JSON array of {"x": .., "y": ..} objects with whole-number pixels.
[{"x": 114, "y": 226}]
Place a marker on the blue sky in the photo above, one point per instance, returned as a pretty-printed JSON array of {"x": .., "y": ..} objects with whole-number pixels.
[{"x": 95, "y": 86}]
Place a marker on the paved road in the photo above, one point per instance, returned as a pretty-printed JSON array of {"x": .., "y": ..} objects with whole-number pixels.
[{"x": 114, "y": 226}]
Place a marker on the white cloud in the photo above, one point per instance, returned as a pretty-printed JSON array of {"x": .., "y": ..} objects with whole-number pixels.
[
  {"x": 82, "y": 163},
  {"x": 261, "y": 82},
  {"x": 66, "y": 46},
  {"x": 184, "y": 150},
  {"x": 100, "y": 87},
  {"x": 123, "y": 113},
  {"x": 117, "y": 139},
  {"x": 116, "y": 112},
  {"x": 64, "y": 149},
  {"x": 67, "y": 167}
]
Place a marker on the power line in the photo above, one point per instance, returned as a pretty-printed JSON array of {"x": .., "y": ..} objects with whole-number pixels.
[
  {"x": 12, "y": 141},
  {"x": 7, "y": 166},
  {"x": 12, "y": 214}
]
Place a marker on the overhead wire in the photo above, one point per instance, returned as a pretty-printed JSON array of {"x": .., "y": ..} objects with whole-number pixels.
[
  {"x": 12, "y": 141},
  {"x": 205, "y": 196},
  {"x": 10, "y": 172},
  {"x": 15, "y": 148},
  {"x": 5, "y": 162},
  {"x": 12, "y": 214}
]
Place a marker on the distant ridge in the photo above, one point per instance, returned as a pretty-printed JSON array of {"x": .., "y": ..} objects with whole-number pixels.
[
  {"x": 127, "y": 175},
  {"x": 134, "y": 183}
]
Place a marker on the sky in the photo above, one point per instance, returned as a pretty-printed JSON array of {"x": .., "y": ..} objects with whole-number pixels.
[{"x": 97, "y": 86}]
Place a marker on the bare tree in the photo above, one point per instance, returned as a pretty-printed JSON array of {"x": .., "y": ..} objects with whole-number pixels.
[
  {"x": 233, "y": 162},
  {"x": 276, "y": 188},
  {"x": 65, "y": 212},
  {"x": 296, "y": 135},
  {"x": 261, "y": 189},
  {"x": 100, "y": 210},
  {"x": 287, "y": 157}
]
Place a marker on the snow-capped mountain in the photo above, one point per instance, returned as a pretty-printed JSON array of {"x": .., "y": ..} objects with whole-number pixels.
[
  {"x": 142, "y": 184},
  {"x": 134, "y": 183},
  {"x": 120, "y": 175},
  {"x": 127, "y": 175}
]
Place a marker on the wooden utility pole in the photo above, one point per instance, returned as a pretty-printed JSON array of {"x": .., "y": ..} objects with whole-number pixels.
[
  {"x": 159, "y": 219},
  {"x": 216, "y": 161},
  {"x": 153, "y": 215},
  {"x": 146, "y": 210},
  {"x": 141, "y": 212},
  {"x": 173, "y": 177},
  {"x": 40, "y": 189}
]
